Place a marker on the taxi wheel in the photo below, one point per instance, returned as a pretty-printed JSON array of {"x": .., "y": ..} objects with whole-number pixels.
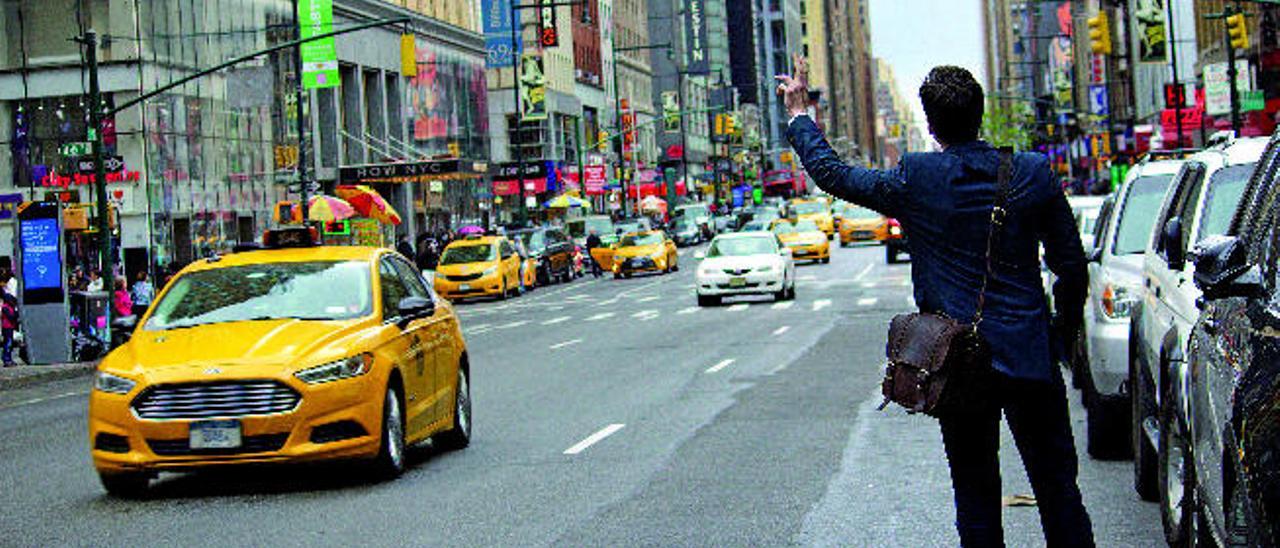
[
  {"x": 129, "y": 485},
  {"x": 459, "y": 436},
  {"x": 506, "y": 292},
  {"x": 389, "y": 463},
  {"x": 617, "y": 275},
  {"x": 708, "y": 300},
  {"x": 826, "y": 260}
]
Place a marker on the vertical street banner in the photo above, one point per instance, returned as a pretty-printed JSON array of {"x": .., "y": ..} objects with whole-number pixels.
[
  {"x": 1217, "y": 87},
  {"x": 1149, "y": 26},
  {"x": 695, "y": 38},
  {"x": 498, "y": 23},
  {"x": 533, "y": 88},
  {"x": 319, "y": 58},
  {"x": 671, "y": 110},
  {"x": 1062, "y": 79},
  {"x": 548, "y": 33}
]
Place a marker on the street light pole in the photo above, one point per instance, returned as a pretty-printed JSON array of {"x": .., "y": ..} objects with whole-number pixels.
[
  {"x": 617, "y": 118},
  {"x": 299, "y": 97},
  {"x": 107, "y": 248}
]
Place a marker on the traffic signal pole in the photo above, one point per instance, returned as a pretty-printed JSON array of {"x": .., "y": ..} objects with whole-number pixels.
[{"x": 1235, "y": 91}]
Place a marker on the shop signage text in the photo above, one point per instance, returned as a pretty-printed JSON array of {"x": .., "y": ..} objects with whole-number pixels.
[
  {"x": 63, "y": 181},
  {"x": 390, "y": 172}
]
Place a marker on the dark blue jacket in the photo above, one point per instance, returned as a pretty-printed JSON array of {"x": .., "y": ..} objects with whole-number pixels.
[{"x": 943, "y": 201}]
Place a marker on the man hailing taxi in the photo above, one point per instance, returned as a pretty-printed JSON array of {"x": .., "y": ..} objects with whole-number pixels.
[{"x": 944, "y": 202}]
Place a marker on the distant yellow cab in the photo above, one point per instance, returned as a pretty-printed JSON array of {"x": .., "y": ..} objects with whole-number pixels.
[
  {"x": 816, "y": 210},
  {"x": 859, "y": 224},
  {"x": 644, "y": 251},
  {"x": 484, "y": 266},
  {"x": 806, "y": 241},
  {"x": 289, "y": 354}
]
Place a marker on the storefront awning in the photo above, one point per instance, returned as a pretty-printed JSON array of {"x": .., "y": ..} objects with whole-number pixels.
[{"x": 412, "y": 172}]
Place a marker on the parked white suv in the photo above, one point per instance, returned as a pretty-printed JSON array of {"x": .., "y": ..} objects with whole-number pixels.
[
  {"x": 1115, "y": 265},
  {"x": 1200, "y": 203}
]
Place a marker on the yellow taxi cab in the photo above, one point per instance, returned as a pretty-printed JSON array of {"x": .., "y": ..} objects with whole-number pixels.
[
  {"x": 806, "y": 241},
  {"x": 815, "y": 210},
  {"x": 296, "y": 352},
  {"x": 859, "y": 224},
  {"x": 478, "y": 266},
  {"x": 644, "y": 251}
]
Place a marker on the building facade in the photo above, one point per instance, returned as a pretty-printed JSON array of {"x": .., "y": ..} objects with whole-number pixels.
[{"x": 851, "y": 70}]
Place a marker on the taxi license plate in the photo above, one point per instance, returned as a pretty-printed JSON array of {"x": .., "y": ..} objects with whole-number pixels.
[
  {"x": 221, "y": 434},
  {"x": 737, "y": 282},
  {"x": 800, "y": 252},
  {"x": 464, "y": 287}
]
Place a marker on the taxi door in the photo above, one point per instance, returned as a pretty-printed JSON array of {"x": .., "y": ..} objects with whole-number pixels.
[
  {"x": 411, "y": 347},
  {"x": 510, "y": 263},
  {"x": 673, "y": 254},
  {"x": 436, "y": 348}
]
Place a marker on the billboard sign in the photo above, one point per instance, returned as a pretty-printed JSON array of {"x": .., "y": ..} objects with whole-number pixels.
[
  {"x": 319, "y": 58},
  {"x": 695, "y": 31},
  {"x": 501, "y": 42},
  {"x": 1149, "y": 25}
]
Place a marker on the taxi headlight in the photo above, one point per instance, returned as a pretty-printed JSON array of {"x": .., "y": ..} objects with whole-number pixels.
[
  {"x": 706, "y": 272},
  {"x": 345, "y": 368},
  {"x": 765, "y": 269},
  {"x": 489, "y": 271},
  {"x": 112, "y": 384}
]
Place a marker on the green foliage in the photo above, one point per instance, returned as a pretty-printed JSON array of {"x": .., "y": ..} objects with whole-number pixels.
[{"x": 1008, "y": 123}]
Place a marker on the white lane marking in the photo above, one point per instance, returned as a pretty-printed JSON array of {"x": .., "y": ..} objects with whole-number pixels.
[
  {"x": 648, "y": 299},
  {"x": 737, "y": 307},
  {"x": 608, "y": 302},
  {"x": 723, "y": 364},
  {"x": 868, "y": 285},
  {"x": 808, "y": 278},
  {"x": 821, "y": 304},
  {"x": 689, "y": 310},
  {"x": 45, "y": 399},
  {"x": 593, "y": 439},
  {"x": 476, "y": 327},
  {"x": 600, "y": 316},
  {"x": 558, "y": 346},
  {"x": 864, "y": 272},
  {"x": 577, "y": 297},
  {"x": 869, "y": 301},
  {"x": 782, "y": 305},
  {"x": 555, "y": 308},
  {"x": 781, "y": 330},
  {"x": 554, "y": 321},
  {"x": 513, "y": 324},
  {"x": 644, "y": 313}
]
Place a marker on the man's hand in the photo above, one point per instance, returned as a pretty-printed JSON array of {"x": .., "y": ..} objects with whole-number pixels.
[{"x": 795, "y": 90}]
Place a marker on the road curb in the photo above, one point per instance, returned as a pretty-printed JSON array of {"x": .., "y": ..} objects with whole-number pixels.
[{"x": 29, "y": 375}]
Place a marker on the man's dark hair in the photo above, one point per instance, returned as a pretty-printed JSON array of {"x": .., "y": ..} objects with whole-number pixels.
[{"x": 953, "y": 104}]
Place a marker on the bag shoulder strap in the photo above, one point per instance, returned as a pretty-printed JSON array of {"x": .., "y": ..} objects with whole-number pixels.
[{"x": 998, "y": 214}]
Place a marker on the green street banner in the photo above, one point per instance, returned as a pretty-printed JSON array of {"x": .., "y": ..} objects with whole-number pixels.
[
  {"x": 1149, "y": 19},
  {"x": 533, "y": 88},
  {"x": 671, "y": 110},
  {"x": 319, "y": 58}
]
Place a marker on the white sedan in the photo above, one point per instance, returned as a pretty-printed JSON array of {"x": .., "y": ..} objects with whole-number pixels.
[{"x": 746, "y": 263}]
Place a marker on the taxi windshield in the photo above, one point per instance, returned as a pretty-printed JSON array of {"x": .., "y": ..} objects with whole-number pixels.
[
  {"x": 860, "y": 213},
  {"x": 468, "y": 254},
  {"x": 648, "y": 238},
  {"x": 329, "y": 290},
  {"x": 784, "y": 227},
  {"x": 740, "y": 247},
  {"x": 806, "y": 208},
  {"x": 806, "y": 226}
]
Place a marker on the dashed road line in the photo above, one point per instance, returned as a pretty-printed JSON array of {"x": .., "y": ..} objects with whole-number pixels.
[
  {"x": 782, "y": 305},
  {"x": 554, "y": 321},
  {"x": 594, "y": 439},
  {"x": 723, "y": 364},
  {"x": 821, "y": 304},
  {"x": 738, "y": 307},
  {"x": 558, "y": 346},
  {"x": 480, "y": 327},
  {"x": 688, "y": 310},
  {"x": 644, "y": 313},
  {"x": 869, "y": 301},
  {"x": 600, "y": 316},
  {"x": 648, "y": 299},
  {"x": 513, "y": 325},
  {"x": 34, "y": 401},
  {"x": 781, "y": 330},
  {"x": 864, "y": 272}
]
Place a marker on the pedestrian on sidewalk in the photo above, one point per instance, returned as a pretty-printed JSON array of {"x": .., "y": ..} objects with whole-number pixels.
[
  {"x": 121, "y": 303},
  {"x": 143, "y": 293},
  {"x": 95, "y": 281},
  {"x": 593, "y": 241},
  {"x": 8, "y": 325},
  {"x": 944, "y": 201}
]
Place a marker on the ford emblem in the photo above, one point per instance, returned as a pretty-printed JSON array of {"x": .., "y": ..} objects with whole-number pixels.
[{"x": 212, "y": 371}]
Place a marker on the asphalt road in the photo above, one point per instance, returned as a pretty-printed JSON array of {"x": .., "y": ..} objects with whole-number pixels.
[{"x": 607, "y": 412}]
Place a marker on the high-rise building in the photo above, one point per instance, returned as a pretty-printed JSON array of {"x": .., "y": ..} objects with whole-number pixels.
[
  {"x": 851, "y": 77},
  {"x": 635, "y": 82},
  {"x": 895, "y": 118},
  {"x": 681, "y": 91},
  {"x": 817, "y": 41},
  {"x": 779, "y": 36}
]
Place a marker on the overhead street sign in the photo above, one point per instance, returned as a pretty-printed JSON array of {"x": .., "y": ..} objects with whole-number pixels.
[
  {"x": 81, "y": 148},
  {"x": 112, "y": 164}
]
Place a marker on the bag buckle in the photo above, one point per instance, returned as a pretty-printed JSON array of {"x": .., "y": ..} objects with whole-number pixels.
[{"x": 997, "y": 215}]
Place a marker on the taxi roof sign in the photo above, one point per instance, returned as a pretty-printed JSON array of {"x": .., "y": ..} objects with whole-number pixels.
[{"x": 290, "y": 237}]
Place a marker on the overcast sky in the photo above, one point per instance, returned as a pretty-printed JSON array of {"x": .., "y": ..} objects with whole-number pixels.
[{"x": 917, "y": 35}]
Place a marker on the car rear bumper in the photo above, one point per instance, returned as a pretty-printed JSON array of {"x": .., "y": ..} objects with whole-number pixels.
[
  {"x": 718, "y": 285},
  {"x": 1108, "y": 354},
  {"x": 337, "y": 420},
  {"x": 811, "y": 252}
]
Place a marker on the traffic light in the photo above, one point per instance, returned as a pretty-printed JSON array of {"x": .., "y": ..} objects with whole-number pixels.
[
  {"x": 602, "y": 141},
  {"x": 1238, "y": 31},
  {"x": 1100, "y": 34},
  {"x": 720, "y": 124},
  {"x": 730, "y": 125}
]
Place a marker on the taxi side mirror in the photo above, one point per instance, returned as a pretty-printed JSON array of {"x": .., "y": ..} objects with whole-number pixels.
[
  {"x": 412, "y": 308},
  {"x": 785, "y": 252}
]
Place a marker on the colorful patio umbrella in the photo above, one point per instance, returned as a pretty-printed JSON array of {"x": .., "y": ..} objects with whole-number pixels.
[
  {"x": 470, "y": 229},
  {"x": 329, "y": 209},
  {"x": 368, "y": 203},
  {"x": 653, "y": 203},
  {"x": 565, "y": 201}
]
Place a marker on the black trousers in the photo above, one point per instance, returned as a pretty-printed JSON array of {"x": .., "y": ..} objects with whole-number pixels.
[{"x": 1037, "y": 416}]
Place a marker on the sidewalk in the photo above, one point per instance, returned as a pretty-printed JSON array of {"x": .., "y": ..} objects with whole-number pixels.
[{"x": 27, "y": 375}]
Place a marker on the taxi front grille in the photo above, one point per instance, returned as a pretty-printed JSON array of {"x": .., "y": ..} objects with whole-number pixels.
[
  {"x": 736, "y": 271},
  {"x": 463, "y": 277},
  {"x": 215, "y": 399},
  {"x": 263, "y": 443}
]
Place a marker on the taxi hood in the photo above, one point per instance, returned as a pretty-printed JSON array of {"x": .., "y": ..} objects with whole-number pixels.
[
  {"x": 278, "y": 343},
  {"x": 638, "y": 250},
  {"x": 464, "y": 268}
]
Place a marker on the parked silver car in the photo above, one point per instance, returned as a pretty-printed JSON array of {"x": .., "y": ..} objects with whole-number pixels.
[
  {"x": 1200, "y": 204},
  {"x": 1101, "y": 366}
]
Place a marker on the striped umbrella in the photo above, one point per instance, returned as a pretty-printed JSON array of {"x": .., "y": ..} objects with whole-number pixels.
[
  {"x": 369, "y": 203},
  {"x": 329, "y": 208}
]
